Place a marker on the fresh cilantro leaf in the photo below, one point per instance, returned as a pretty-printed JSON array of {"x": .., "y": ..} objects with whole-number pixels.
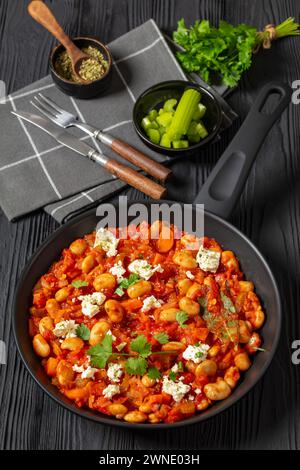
[
  {"x": 162, "y": 338},
  {"x": 141, "y": 346},
  {"x": 172, "y": 376},
  {"x": 101, "y": 352},
  {"x": 153, "y": 373},
  {"x": 78, "y": 283},
  {"x": 83, "y": 332},
  {"x": 181, "y": 318},
  {"x": 136, "y": 366},
  {"x": 125, "y": 283},
  {"x": 99, "y": 361}
]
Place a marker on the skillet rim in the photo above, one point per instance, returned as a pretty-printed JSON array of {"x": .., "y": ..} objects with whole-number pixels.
[{"x": 198, "y": 418}]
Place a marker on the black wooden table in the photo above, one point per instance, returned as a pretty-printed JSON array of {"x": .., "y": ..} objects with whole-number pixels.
[{"x": 268, "y": 212}]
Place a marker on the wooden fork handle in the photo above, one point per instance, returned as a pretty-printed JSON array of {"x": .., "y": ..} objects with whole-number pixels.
[
  {"x": 141, "y": 160},
  {"x": 135, "y": 179},
  {"x": 134, "y": 156},
  {"x": 43, "y": 15}
]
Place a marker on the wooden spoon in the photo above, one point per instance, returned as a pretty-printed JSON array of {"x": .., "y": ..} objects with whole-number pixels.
[{"x": 41, "y": 13}]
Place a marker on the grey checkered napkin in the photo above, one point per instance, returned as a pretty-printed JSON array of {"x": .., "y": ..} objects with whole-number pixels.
[{"x": 36, "y": 172}]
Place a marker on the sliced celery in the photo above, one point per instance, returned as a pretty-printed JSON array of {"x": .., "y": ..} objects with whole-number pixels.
[
  {"x": 180, "y": 144},
  {"x": 164, "y": 119},
  {"x": 146, "y": 123},
  {"x": 165, "y": 141},
  {"x": 202, "y": 130},
  {"x": 152, "y": 115},
  {"x": 202, "y": 109},
  {"x": 169, "y": 105},
  {"x": 154, "y": 135},
  {"x": 184, "y": 114}
]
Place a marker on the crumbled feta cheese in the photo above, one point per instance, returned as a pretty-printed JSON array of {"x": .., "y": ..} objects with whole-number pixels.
[
  {"x": 175, "y": 368},
  {"x": 111, "y": 390},
  {"x": 114, "y": 372},
  {"x": 208, "y": 260},
  {"x": 197, "y": 391},
  {"x": 107, "y": 241},
  {"x": 190, "y": 275},
  {"x": 191, "y": 397},
  {"x": 89, "y": 372},
  {"x": 197, "y": 353},
  {"x": 65, "y": 329},
  {"x": 109, "y": 332},
  {"x": 118, "y": 271},
  {"x": 86, "y": 371},
  {"x": 90, "y": 303},
  {"x": 143, "y": 269},
  {"x": 151, "y": 302},
  {"x": 176, "y": 389}
]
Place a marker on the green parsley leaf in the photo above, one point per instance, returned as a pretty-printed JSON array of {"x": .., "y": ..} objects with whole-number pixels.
[
  {"x": 224, "y": 52},
  {"x": 83, "y": 332},
  {"x": 101, "y": 352},
  {"x": 78, "y": 283},
  {"x": 153, "y": 373},
  {"x": 141, "y": 346},
  {"x": 125, "y": 283},
  {"x": 136, "y": 366},
  {"x": 199, "y": 354},
  {"x": 173, "y": 376},
  {"x": 162, "y": 337},
  {"x": 181, "y": 318}
]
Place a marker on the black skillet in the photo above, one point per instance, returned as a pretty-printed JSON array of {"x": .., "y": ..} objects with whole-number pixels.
[{"x": 219, "y": 194}]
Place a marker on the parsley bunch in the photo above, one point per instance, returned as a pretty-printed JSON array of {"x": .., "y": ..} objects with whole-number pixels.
[{"x": 225, "y": 51}]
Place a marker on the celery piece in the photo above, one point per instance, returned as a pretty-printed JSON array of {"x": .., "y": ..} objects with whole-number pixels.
[
  {"x": 164, "y": 119},
  {"x": 202, "y": 110},
  {"x": 199, "y": 113},
  {"x": 192, "y": 133},
  {"x": 154, "y": 125},
  {"x": 152, "y": 114},
  {"x": 154, "y": 135},
  {"x": 165, "y": 141},
  {"x": 184, "y": 114},
  {"x": 180, "y": 144},
  {"x": 146, "y": 123},
  {"x": 162, "y": 130},
  {"x": 169, "y": 105},
  {"x": 161, "y": 110},
  {"x": 201, "y": 129}
]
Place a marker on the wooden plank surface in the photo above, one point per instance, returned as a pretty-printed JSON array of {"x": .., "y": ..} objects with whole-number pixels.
[{"x": 268, "y": 212}]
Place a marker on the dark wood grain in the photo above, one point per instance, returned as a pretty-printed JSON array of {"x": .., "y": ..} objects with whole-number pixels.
[{"x": 268, "y": 212}]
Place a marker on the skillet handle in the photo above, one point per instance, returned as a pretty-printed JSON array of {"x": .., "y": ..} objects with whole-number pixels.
[{"x": 223, "y": 187}]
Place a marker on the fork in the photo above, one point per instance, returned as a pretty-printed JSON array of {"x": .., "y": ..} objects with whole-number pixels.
[{"x": 65, "y": 119}]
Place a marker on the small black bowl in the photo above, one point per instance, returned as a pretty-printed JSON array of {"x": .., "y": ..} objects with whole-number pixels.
[
  {"x": 155, "y": 96},
  {"x": 79, "y": 90}
]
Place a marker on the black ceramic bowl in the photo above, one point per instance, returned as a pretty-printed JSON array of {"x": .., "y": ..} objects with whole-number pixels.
[
  {"x": 79, "y": 90},
  {"x": 155, "y": 96}
]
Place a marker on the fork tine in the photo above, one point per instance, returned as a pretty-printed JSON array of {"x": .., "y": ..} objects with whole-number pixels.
[
  {"x": 51, "y": 103},
  {"x": 46, "y": 106},
  {"x": 40, "y": 108}
]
